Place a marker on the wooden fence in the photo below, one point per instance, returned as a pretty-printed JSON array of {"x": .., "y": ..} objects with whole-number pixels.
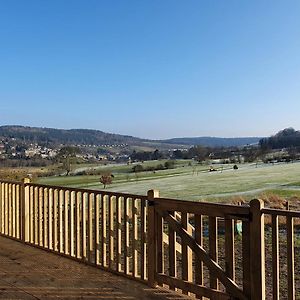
[
  {"x": 203, "y": 250},
  {"x": 97, "y": 227}
]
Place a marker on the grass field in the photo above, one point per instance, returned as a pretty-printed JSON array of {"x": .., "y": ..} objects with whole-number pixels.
[{"x": 191, "y": 181}]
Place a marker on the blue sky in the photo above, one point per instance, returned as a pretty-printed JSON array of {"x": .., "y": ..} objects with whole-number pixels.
[{"x": 151, "y": 68}]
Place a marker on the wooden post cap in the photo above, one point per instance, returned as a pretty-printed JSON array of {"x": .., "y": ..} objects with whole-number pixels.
[
  {"x": 26, "y": 180},
  {"x": 257, "y": 203},
  {"x": 153, "y": 194}
]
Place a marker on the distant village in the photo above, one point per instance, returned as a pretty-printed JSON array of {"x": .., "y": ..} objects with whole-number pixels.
[{"x": 14, "y": 149}]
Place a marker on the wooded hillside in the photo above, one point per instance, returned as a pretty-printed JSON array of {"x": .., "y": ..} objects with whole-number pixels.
[{"x": 285, "y": 138}]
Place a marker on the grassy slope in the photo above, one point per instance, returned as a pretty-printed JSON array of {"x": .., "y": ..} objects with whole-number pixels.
[{"x": 248, "y": 180}]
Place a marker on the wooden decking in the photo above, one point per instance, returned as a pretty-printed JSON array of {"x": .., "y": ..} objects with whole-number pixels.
[{"x": 30, "y": 273}]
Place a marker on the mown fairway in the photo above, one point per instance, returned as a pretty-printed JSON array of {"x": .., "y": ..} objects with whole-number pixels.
[{"x": 195, "y": 182}]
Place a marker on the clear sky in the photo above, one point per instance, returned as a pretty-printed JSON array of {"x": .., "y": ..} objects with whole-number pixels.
[{"x": 151, "y": 68}]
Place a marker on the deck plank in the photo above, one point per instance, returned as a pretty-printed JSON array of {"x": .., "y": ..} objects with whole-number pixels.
[{"x": 27, "y": 272}]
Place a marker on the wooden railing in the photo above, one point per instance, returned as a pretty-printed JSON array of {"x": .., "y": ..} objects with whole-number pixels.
[
  {"x": 203, "y": 250},
  {"x": 196, "y": 269},
  {"x": 282, "y": 241},
  {"x": 97, "y": 227},
  {"x": 11, "y": 209}
]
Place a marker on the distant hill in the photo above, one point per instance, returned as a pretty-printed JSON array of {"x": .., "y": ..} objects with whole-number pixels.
[
  {"x": 63, "y": 136},
  {"x": 286, "y": 138},
  {"x": 213, "y": 141},
  {"x": 97, "y": 137}
]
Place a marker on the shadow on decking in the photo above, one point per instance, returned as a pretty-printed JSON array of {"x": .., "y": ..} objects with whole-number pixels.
[{"x": 30, "y": 273}]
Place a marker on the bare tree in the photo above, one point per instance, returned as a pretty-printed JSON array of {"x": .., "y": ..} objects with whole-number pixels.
[
  {"x": 106, "y": 179},
  {"x": 65, "y": 155}
]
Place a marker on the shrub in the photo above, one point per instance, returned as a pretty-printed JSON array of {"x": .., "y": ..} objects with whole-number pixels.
[
  {"x": 137, "y": 168},
  {"x": 238, "y": 200},
  {"x": 274, "y": 201},
  {"x": 170, "y": 164}
]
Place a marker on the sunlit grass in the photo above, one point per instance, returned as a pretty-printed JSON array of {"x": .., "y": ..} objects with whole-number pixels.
[{"x": 195, "y": 182}]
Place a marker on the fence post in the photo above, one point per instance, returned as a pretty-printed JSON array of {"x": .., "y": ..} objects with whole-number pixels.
[
  {"x": 151, "y": 240},
  {"x": 25, "y": 210},
  {"x": 257, "y": 250}
]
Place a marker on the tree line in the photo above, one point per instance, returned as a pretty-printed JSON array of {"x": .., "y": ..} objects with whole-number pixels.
[{"x": 285, "y": 138}]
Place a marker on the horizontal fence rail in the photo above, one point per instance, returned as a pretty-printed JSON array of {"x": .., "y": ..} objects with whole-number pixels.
[{"x": 203, "y": 250}]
